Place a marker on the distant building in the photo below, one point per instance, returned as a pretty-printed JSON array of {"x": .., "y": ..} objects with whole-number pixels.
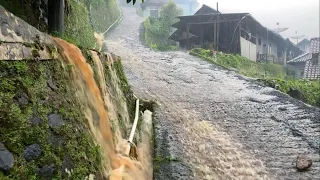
[
  {"x": 236, "y": 33},
  {"x": 308, "y": 64},
  {"x": 152, "y": 7},
  {"x": 304, "y": 45}
]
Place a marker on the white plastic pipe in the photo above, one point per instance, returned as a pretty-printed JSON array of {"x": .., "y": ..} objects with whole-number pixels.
[{"x": 134, "y": 126}]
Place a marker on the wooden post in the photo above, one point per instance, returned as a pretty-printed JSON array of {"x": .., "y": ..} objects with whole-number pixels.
[
  {"x": 230, "y": 32},
  {"x": 56, "y": 16},
  {"x": 239, "y": 38},
  {"x": 215, "y": 36},
  {"x": 218, "y": 28},
  {"x": 201, "y": 36},
  {"x": 188, "y": 41}
]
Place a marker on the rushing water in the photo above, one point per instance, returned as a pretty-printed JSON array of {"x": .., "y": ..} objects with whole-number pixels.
[
  {"x": 222, "y": 125},
  {"x": 115, "y": 166}
]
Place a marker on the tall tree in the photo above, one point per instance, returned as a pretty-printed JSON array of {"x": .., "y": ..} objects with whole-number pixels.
[{"x": 56, "y": 16}]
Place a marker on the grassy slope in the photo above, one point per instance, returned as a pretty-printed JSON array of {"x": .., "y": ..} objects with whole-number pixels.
[{"x": 268, "y": 73}]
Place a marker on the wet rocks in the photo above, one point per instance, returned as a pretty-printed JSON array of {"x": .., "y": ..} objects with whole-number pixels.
[
  {"x": 35, "y": 121},
  {"x": 51, "y": 84},
  {"x": 56, "y": 141},
  {"x": 46, "y": 171},
  {"x": 273, "y": 84},
  {"x": 23, "y": 99},
  {"x": 275, "y": 119},
  {"x": 296, "y": 133},
  {"x": 295, "y": 93},
  {"x": 282, "y": 108},
  {"x": 67, "y": 165},
  {"x": 32, "y": 152},
  {"x": 6, "y": 158},
  {"x": 303, "y": 163},
  {"x": 55, "y": 121}
]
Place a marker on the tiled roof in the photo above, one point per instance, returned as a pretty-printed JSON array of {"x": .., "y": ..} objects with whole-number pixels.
[
  {"x": 302, "y": 58},
  {"x": 315, "y": 45},
  {"x": 311, "y": 71}
]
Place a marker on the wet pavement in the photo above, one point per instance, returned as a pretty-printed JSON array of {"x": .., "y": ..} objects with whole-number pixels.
[{"x": 213, "y": 123}]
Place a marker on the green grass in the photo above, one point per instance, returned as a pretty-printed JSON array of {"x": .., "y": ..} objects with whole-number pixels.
[
  {"x": 309, "y": 89},
  {"x": 243, "y": 65},
  {"x": 268, "y": 73}
]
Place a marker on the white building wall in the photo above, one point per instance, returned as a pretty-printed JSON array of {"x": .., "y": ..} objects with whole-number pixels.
[
  {"x": 248, "y": 49},
  {"x": 146, "y": 12},
  {"x": 263, "y": 48}
]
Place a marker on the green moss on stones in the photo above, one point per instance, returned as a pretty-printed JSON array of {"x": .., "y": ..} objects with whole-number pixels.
[
  {"x": 29, "y": 92},
  {"x": 77, "y": 25},
  {"x": 125, "y": 87}
]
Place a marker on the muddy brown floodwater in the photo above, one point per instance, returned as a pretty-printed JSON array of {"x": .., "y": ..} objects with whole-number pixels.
[{"x": 213, "y": 123}]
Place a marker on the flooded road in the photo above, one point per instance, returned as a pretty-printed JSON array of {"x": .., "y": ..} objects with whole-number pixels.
[{"x": 213, "y": 123}]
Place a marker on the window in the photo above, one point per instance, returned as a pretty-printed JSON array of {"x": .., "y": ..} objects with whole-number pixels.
[
  {"x": 259, "y": 41},
  {"x": 269, "y": 49}
]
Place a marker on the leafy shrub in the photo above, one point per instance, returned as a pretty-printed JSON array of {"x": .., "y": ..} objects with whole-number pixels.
[
  {"x": 309, "y": 89},
  {"x": 242, "y": 64},
  {"x": 157, "y": 30}
]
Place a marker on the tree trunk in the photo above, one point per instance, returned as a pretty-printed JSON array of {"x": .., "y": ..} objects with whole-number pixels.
[{"x": 56, "y": 16}]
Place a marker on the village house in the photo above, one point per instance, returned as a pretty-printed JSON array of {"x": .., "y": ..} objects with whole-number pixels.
[
  {"x": 152, "y": 7},
  {"x": 307, "y": 65},
  {"x": 304, "y": 45},
  {"x": 237, "y": 33}
]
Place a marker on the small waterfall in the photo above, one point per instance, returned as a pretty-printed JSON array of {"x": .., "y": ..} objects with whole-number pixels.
[{"x": 95, "y": 103}]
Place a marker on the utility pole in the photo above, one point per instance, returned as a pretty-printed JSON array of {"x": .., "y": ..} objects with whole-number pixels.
[
  {"x": 218, "y": 27},
  {"x": 267, "y": 43},
  {"x": 188, "y": 36},
  {"x": 56, "y": 16},
  {"x": 214, "y": 35}
]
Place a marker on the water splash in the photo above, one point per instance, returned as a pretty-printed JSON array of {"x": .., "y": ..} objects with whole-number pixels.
[{"x": 115, "y": 166}]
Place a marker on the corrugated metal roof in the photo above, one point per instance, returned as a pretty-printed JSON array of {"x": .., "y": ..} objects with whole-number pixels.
[
  {"x": 302, "y": 58},
  {"x": 315, "y": 45},
  {"x": 205, "y": 10}
]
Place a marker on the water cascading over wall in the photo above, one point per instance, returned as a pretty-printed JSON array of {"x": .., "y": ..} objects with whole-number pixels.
[
  {"x": 98, "y": 110},
  {"x": 63, "y": 116}
]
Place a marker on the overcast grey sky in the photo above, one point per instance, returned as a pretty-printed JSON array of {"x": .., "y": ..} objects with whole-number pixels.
[{"x": 299, "y": 15}]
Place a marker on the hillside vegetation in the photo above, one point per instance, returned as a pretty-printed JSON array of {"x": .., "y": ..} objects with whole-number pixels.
[
  {"x": 82, "y": 17},
  {"x": 270, "y": 74},
  {"x": 157, "y": 30}
]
